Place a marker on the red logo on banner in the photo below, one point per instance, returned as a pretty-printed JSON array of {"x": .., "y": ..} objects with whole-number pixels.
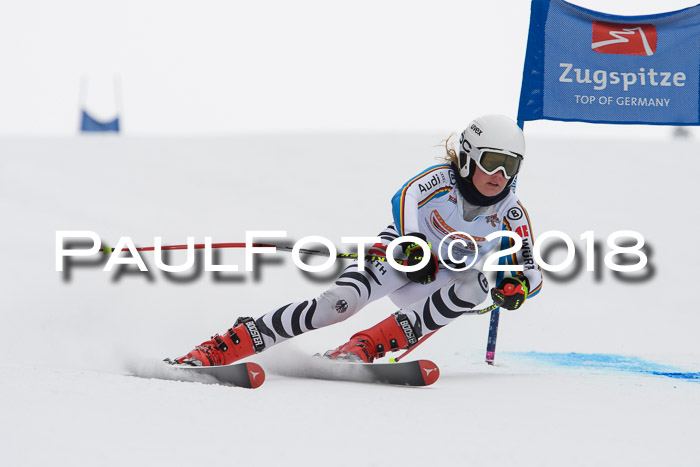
[{"x": 623, "y": 39}]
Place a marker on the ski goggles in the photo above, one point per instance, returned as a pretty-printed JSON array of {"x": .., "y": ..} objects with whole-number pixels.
[{"x": 493, "y": 160}]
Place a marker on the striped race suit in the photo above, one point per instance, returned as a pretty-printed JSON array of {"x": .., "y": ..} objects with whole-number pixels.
[{"x": 429, "y": 203}]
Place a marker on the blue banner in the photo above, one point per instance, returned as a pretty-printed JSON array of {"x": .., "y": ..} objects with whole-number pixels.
[
  {"x": 582, "y": 65},
  {"x": 89, "y": 124}
]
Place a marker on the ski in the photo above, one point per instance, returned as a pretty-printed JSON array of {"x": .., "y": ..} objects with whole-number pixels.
[
  {"x": 413, "y": 373},
  {"x": 245, "y": 375}
]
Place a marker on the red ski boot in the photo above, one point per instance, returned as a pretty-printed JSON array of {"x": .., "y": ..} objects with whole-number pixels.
[
  {"x": 392, "y": 334},
  {"x": 239, "y": 342}
]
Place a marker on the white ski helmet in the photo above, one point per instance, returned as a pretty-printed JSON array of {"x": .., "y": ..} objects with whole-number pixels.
[{"x": 493, "y": 142}]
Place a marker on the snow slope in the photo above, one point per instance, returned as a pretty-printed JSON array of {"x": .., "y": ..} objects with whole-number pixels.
[{"x": 71, "y": 340}]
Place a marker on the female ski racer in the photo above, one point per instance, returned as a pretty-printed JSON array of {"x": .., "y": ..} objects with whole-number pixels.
[{"x": 469, "y": 194}]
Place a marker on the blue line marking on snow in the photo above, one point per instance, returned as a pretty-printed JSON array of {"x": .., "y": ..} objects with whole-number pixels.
[{"x": 609, "y": 362}]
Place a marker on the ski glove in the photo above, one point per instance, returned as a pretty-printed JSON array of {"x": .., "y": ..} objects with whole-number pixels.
[
  {"x": 414, "y": 255},
  {"x": 511, "y": 292}
]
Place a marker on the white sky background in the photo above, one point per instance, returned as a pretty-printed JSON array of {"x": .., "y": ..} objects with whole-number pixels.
[{"x": 225, "y": 67}]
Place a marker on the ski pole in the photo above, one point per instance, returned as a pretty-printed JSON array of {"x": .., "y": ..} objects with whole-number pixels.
[
  {"x": 197, "y": 246},
  {"x": 468, "y": 312},
  {"x": 200, "y": 246},
  {"x": 288, "y": 249}
]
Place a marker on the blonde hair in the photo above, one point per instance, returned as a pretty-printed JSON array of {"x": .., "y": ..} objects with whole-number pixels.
[{"x": 450, "y": 152}]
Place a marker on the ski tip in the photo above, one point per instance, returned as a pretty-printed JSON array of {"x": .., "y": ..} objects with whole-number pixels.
[
  {"x": 429, "y": 371},
  {"x": 256, "y": 374}
]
